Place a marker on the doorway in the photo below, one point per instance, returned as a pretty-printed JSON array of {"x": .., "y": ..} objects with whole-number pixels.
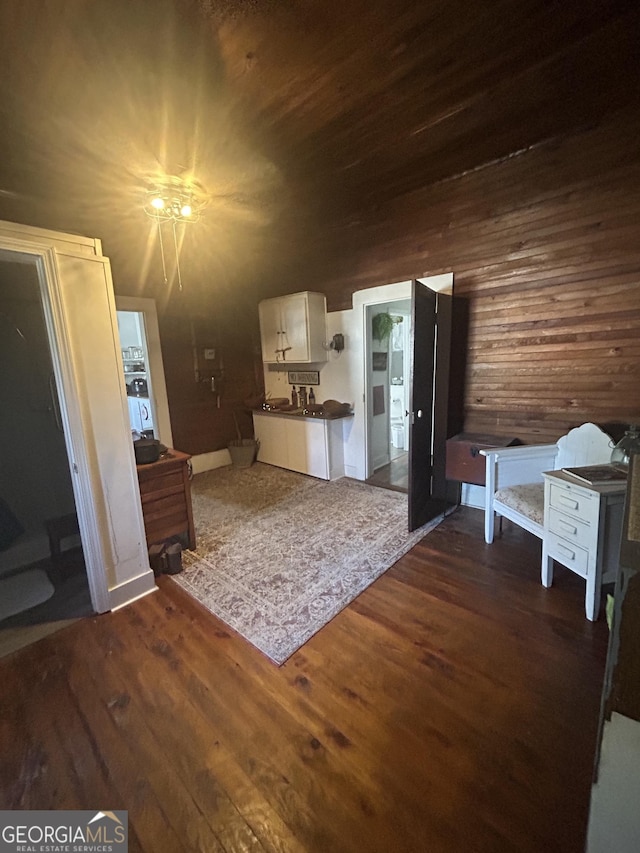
[
  {"x": 388, "y": 330},
  {"x": 428, "y": 371},
  {"x": 76, "y": 299},
  {"x": 143, "y": 368},
  {"x": 42, "y": 565}
]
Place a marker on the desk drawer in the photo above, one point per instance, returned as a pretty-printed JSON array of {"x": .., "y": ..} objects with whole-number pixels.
[
  {"x": 576, "y": 531},
  {"x": 579, "y": 504},
  {"x": 565, "y": 552}
]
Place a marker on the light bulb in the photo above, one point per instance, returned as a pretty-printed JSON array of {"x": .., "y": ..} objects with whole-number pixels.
[
  {"x": 157, "y": 202},
  {"x": 185, "y": 210}
]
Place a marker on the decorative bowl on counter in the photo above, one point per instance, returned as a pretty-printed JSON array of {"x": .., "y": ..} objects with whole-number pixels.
[
  {"x": 276, "y": 403},
  {"x": 290, "y": 409},
  {"x": 334, "y": 407}
]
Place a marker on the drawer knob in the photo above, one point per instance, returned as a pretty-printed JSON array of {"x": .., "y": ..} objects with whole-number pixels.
[{"x": 570, "y": 528}]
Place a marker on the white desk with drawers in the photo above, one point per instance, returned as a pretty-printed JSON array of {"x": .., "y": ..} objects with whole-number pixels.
[{"x": 582, "y": 529}]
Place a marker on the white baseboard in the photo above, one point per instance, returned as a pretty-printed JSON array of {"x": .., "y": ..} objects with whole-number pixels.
[
  {"x": 209, "y": 461},
  {"x": 131, "y": 590}
]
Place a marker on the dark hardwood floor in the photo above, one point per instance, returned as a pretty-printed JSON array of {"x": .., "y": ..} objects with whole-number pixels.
[{"x": 452, "y": 707}]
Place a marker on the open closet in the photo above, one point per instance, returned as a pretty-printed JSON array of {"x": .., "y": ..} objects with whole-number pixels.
[{"x": 67, "y": 480}]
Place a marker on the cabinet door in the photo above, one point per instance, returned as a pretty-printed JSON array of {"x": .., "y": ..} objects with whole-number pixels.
[
  {"x": 270, "y": 330},
  {"x": 270, "y": 432},
  {"x": 307, "y": 444},
  {"x": 293, "y": 328},
  {"x": 295, "y": 325}
]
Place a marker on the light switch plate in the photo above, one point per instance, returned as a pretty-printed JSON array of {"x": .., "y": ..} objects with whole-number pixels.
[{"x": 209, "y": 354}]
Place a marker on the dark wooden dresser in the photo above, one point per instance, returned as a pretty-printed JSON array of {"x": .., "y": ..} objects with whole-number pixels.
[
  {"x": 165, "y": 492},
  {"x": 464, "y": 462}
]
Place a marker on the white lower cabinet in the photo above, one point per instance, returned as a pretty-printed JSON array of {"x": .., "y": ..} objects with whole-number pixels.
[{"x": 311, "y": 446}]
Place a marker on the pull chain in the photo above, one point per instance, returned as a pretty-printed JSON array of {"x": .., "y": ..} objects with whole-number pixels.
[
  {"x": 175, "y": 246},
  {"x": 164, "y": 267}
]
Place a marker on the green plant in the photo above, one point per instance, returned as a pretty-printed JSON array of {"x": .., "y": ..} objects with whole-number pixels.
[{"x": 381, "y": 326}]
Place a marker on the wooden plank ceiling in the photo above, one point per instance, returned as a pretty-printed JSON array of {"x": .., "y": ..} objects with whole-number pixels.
[
  {"x": 295, "y": 116},
  {"x": 360, "y": 102}
]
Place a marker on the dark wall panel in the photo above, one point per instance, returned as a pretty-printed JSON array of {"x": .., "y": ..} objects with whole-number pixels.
[{"x": 203, "y": 419}]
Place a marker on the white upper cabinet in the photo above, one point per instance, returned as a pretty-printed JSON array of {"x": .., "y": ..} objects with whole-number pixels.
[{"x": 293, "y": 328}]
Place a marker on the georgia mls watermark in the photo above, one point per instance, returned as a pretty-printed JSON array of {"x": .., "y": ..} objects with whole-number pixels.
[{"x": 64, "y": 832}]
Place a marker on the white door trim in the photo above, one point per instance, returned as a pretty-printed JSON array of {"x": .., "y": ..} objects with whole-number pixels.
[
  {"x": 44, "y": 259},
  {"x": 96, "y": 433},
  {"x": 362, "y": 299},
  {"x": 380, "y": 295}
]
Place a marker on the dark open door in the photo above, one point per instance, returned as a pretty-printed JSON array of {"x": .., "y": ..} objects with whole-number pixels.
[{"x": 430, "y": 349}]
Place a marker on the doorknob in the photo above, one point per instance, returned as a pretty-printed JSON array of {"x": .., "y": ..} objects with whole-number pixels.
[{"x": 419, "y": 413}]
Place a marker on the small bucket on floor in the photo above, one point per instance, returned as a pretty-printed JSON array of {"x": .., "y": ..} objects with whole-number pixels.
[
  {"x": 243, "y": 452},
  {"x": 165, "y": 558},
  {"x": 174, "y": 559}
]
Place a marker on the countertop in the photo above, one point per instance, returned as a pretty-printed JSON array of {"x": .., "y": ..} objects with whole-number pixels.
[{"x": 301, "y": 413}]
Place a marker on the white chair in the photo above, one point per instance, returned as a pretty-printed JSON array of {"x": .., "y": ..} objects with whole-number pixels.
[{"x": 514, "y": 486}]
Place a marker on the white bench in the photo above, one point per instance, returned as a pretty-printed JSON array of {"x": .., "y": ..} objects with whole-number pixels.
[{"x": 514, "y": 487}]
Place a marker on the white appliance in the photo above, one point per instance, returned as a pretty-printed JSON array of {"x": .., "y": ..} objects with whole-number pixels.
[
  {"x": 396, "y": 414},
  {"x": 140, "y": 414}
]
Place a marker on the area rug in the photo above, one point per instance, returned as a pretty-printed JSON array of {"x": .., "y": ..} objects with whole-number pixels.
[
  {"x": 22, "y": 591},
  {"x": 279, "y": 554}
]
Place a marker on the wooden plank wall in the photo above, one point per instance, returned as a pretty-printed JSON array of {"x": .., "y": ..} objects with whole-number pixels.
[
  {"x": 545, "y": 245},
  {"x": 545, "y": 248}
]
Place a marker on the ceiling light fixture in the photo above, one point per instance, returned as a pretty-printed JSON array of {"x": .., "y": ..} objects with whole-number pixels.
[{"x": 174, "y": 200}]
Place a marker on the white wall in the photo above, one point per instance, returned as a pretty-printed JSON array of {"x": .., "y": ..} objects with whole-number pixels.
[
  {"x": 129, "y": 328},
  {"x": 379, "y": 435},
  {"x": 614, "y": 825},
  {"x": 342, "y": 377}
]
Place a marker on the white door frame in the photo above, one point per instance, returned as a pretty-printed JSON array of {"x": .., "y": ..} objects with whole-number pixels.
[
  {"x": 387, "y": 305},
  {"x": 379, "y": 296},
  {"x": 96, "y": 434},
  {"x": 363, "y": 299},
  {"x": 44, "y": 260}
]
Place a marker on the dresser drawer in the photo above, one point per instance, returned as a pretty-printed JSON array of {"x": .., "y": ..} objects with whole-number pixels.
[
  {"x": 567, "y": 553},
  {"x": 165, "y": 483},
  {"x": 575, "y": 530},
  {"x": 582, "y": 505}
]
